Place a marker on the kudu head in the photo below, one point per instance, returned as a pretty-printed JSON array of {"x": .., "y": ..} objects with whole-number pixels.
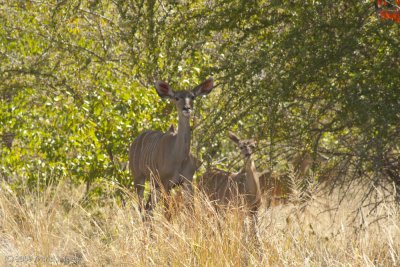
[
  {"x": 184, "y": 99},
  {"x": 246, "y": 146}
]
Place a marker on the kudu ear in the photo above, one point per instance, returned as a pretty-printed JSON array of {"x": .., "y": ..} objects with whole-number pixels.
[
  {"x": 164, "y": 90},
  {"x": 234, "y": 137},
  {"x": 204, "y": 88}
]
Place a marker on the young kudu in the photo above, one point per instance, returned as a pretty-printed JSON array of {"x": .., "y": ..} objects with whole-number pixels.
[
  {"x": 165, "y": 158},
  {"x": 226, "y": 188}
]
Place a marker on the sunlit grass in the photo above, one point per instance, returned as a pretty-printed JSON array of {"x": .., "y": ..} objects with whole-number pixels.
[{"x": 57, "y": 226}]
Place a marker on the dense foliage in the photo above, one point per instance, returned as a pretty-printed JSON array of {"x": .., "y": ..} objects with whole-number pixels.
[{"x": 302, "y": 77}]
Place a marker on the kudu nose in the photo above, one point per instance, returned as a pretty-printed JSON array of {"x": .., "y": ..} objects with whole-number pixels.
[{"x": 186, "y": 108}]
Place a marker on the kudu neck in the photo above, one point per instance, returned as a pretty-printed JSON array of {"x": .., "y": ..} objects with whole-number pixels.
[
  {"x": 252, "y": 177},
  {"x": 249, "y": 164},
  {"x": 183, "y": 134}
]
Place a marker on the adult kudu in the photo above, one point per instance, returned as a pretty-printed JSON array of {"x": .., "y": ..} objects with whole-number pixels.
[{"x": 165, "y": 158}]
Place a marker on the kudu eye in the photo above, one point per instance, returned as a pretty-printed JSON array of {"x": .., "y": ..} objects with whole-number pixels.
[{"x": 177, "y": 98}]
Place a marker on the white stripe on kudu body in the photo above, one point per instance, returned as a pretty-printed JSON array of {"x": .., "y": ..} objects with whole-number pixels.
[
  {"x": 146, "y": 146},
  {"x": 167, "y": 155}
]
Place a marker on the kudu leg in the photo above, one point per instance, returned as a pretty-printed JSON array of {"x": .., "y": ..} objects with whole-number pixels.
[
  {"x": 139, "y": 184},
  {"x": 158, "y": 191},
  {"x": 156, "y": 195},
  {"x": 167, "y": 204},
  {"x": 153, "y": 196},
  {"x": 188, "y": 194},
  {"x": 151, "y": 202},
  {"x": 188, "y": 169}
]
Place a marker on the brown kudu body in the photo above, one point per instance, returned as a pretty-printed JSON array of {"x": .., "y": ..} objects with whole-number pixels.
[
  {"x": 278, "y": 186},
  {"x": 165, "y": 158}
]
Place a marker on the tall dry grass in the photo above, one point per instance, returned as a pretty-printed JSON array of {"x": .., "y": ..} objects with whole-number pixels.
[{"x": 57, "y": 227}]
